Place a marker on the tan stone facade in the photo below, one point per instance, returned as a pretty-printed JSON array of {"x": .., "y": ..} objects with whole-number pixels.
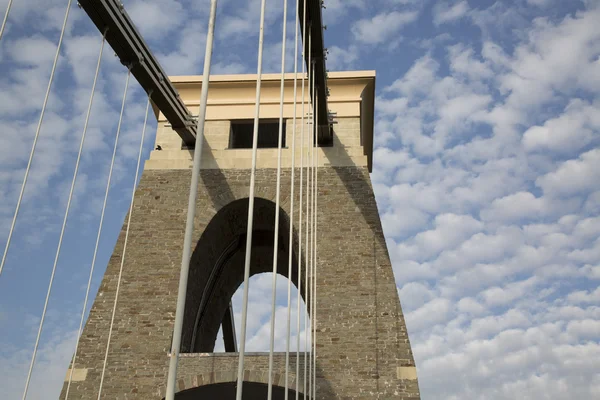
[
  {"x": 363, "y": 346},
  {"x": 233, "y": 97}
]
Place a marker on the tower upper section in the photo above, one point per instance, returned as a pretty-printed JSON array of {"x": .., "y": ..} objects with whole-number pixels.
[{"x": 230, "y": 114}]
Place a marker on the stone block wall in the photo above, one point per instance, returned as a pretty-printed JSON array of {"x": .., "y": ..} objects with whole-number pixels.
[
  {"x": 362, "y": 343},
  {"x": 346, "y": 151}
]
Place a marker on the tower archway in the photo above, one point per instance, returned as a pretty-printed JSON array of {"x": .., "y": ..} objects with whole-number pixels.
[
  {"x": 227, "y": 391},
  {"x": 217, "y": 267}
]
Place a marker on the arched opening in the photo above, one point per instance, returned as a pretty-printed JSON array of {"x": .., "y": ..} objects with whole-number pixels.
[
  {"x": 260, "y": 312},
  {"x": 217, "y": 270},
  {"x": 226, "y": 391}
]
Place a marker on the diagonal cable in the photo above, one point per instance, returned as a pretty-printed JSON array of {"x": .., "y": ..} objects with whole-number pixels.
[
  {"x": 308, "y": 354},
  {"x": 112, "y": 163},
  {"x": 87, "y": 291},
  {"x": 277, "y": 195},
  {"x": 37, "y": 340},
  {"x": 240, "y": 373},
  {"x": 314, "y": 297},
  {"x": 191, "y": 211},
  {"x": 300, "y": 224},
  {"x": 8, "y": 7},
  {"x": 291, "y": 233},
  {"x": 31, "y": 154}
]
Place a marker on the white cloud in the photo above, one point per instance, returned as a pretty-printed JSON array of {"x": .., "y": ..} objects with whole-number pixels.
[
  {"x": 469, "y": 305},
  {"x": 382, "y": 27},
  {"x": 336, "y": 10},
  {"x": 340, "y": 59},
  {"x": 572, "y": 130},
  {"x": 35, "y": 51},
  {"x": 584, "y": 330},
  {"x": 584, "y": 296},
  {"x": 524, "y": 206},
  {"x": 498, "y": 296},
  {"x": 52, "y": 359},
  {"x": 573, "y": 176},
  {"x": 243, "y": 22},
  {"x": 539, "y": 2},
  {"x": 481, "y": 248},
  {"x": 463, "y": 62},
  {"x": 187, "y": 57},
  {"x": 156, "y": 18},
  {"x": 559, "y": 57},
  {"x": 414, "y": 295},
  {"x": 443, "y": 12},
  {"x": 417, "y": 79},
  {"x": 433, "y": 312},
  {"x": 398, "y": 225},
  {"x": 449, "y": 231}
]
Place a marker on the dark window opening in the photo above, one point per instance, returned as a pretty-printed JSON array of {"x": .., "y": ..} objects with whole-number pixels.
[{"x": 240, "y": 136}]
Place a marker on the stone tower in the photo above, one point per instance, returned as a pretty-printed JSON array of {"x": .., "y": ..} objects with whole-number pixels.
[{"x": 363, "y": 346}]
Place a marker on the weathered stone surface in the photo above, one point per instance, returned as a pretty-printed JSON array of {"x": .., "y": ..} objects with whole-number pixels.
[
  {"x": 362, "y": 337},
  {"x": 363, "y": 351}
]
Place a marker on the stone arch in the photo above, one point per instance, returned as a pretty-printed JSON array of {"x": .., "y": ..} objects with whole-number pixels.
[
  {"x": 217, "y": 266},
  {"x": 227, "y": 391},
  {"x": 221, "y": 383}
]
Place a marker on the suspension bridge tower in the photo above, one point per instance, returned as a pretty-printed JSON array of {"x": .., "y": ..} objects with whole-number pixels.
[{"x": 363, "y": 350}]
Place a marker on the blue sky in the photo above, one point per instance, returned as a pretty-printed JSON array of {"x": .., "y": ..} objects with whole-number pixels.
[{"x": 486, "y": 174}]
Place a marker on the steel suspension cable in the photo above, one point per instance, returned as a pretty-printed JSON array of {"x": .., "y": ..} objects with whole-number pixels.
[
  {"x": 311, "y": 81},
  {"x": 8, "y": 7},
  {"x": 300, "y": 208},
  {"x": 291, "y": 222},
  {"x": 191, "y": 212},
  {"x": 306, "y": 248},
  {"x": 314, "y": 307},
  {"x": 33, "y": 147},
  {"x": 50, "y": 283},
  {"x": 87, "y": 291},
  {"x": 277, "y": 195},
  {"x": 312, "y": 233},
  {"x": 240, "y": 374},
  {"x": 112, "y": 163}
]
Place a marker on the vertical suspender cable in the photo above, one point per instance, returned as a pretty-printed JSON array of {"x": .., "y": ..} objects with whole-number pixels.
[
  {"x": 314, "y": 308},
  {"x": 312, "y": 232},
  {"x": 35, "y": 139},
  {"x": 240, "y": 375},
  {"x": 300, "y": 225},
  {"x": 306, "y": 249},
  {"x": 112, "y": 163},
  {"x": 277, "y": 195},
  {"x": 189, "y": 225},
  {"x": 5, "y": 18},
  {"x": 312, "y": 194},
  {"x": 290, "y": 249},
  {"x": 85, "y": 125},
  {"x": 291, "y": 238}
]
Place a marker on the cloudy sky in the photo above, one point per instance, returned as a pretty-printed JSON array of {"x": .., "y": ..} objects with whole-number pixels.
[{"x": 486, "y": 174}]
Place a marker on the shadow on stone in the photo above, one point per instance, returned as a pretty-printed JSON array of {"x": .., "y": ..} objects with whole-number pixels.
[
  {"x": 213, "y": 179},
  {"x": 357, "y": 183}
]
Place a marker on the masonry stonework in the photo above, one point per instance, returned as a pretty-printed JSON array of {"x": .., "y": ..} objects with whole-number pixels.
[{"x": 363, "y": 350}]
